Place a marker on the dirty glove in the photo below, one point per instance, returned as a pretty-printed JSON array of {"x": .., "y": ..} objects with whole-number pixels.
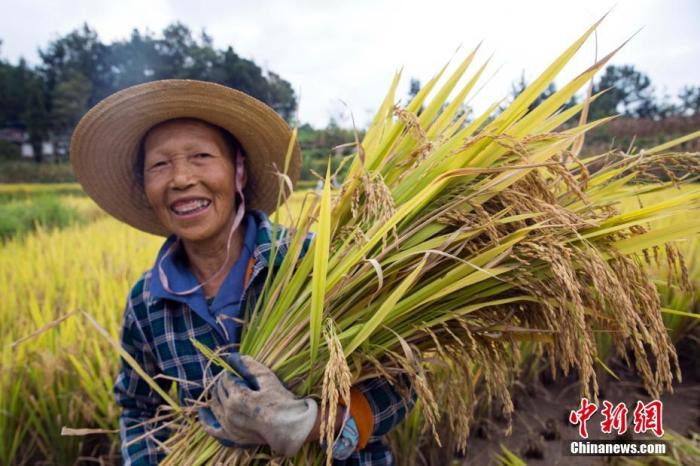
[{"x": 257, "y": 410}]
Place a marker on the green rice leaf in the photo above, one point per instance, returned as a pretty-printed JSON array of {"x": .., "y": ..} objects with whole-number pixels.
[
  {"x": 378, "y": 317},
  {"x": 321, "y": 254}
]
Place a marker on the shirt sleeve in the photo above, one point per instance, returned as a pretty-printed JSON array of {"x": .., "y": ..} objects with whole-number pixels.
[
  {"x": 139, "y": 402},
  {"x": 388, "y": 404}
]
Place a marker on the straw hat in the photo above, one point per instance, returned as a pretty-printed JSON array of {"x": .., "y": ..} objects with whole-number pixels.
[{"x": 105, "y": 143}]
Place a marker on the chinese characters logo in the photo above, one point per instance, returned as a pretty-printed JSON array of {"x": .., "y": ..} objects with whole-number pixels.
[{"x": 645, "y": 418}]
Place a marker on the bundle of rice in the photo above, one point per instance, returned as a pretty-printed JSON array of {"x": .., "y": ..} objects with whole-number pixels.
[{"x": 453, "y": 240}]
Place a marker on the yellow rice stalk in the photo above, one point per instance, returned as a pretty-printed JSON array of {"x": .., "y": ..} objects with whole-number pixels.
[
  {"x": 455, "y": 241},
  {"x": 56, "y": 371}
]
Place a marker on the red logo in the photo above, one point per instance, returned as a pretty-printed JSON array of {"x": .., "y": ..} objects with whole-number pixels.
[
  {"x": 649, "y": 417},
  {"x": 646, "y": 417},
  {"x": 582, "y": 415},
  {"x": 614, "y": 418}
]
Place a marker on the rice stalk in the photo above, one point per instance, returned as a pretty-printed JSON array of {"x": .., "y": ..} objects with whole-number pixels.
[{"x": 450, "y": 243}]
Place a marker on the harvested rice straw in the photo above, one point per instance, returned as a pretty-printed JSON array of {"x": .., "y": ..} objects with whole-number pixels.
[{"x": 454, "y": 240}]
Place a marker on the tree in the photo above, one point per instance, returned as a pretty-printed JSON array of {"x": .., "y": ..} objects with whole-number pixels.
[
  {"x": 134, "y": 61},
  {"x": 35, "y": 116},
  {"x": 281, "y": 96},
  {"x": 12, "y": 95},
  {"x": 78, "y": 70},
  {"x": 628, "y": 91},
  {"x": 70, "y": 100},
  {"x": 177, "y": 52},
  {"x": 242, "y": 74},
  {"x": 690, "y": 101},
  {"x": 79, "y": 51},
  {"x": 7, "y": 95},
  {"x": 79, "y": 62},
  {"x": 23, "y": 103},
  {"x": 414, "y": 88}
]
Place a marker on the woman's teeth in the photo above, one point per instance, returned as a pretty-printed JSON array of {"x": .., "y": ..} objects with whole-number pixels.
[{"x": 191, "y": 206}]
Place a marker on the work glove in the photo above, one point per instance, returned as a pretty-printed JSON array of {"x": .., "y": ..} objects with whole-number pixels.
[{"x": 257, "y": 410}]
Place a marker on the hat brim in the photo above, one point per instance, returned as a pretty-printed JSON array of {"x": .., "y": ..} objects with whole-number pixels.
[{"x": 105, "y": 144}]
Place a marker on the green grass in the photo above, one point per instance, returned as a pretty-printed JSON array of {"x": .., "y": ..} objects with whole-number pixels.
[
  {"x": 26, "y": 206},
  {"x": 19, "y": 217}
]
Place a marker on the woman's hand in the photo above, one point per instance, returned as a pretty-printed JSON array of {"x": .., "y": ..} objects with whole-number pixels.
[{"x": 259, "y": 410}]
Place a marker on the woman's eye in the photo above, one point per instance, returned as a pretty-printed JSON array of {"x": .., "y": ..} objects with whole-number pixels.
[
  {"x": 202, "y": 155},
  {"x": 159, "y": 164}
]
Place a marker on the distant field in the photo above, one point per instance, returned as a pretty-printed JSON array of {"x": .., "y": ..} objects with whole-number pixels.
[
  {"x": 28, "y": 171},
  {"x": 23, "y": 190}
]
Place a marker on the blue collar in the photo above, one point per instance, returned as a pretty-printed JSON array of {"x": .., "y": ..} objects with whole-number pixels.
[{"x": 180, "y": 277}]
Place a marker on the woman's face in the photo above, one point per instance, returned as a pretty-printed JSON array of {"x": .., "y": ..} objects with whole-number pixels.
[{"x": 189, "y": 180}]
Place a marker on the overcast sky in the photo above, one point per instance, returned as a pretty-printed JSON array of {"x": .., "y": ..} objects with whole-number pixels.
[{"x": 333, "y": 51}]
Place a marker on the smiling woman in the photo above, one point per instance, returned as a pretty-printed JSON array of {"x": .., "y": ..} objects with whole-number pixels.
[
  {"x": 167, "y": 157},
  {"x": 191, "y": 183}
]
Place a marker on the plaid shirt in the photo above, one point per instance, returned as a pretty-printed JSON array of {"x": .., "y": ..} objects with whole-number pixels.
[{"x": 157, "y": 332}]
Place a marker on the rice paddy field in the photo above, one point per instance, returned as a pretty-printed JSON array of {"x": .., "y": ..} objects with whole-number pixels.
[{"x": 64, "y": 285}]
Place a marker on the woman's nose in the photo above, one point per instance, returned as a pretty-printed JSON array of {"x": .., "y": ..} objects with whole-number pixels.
[{"x": 183, "y": 174}]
